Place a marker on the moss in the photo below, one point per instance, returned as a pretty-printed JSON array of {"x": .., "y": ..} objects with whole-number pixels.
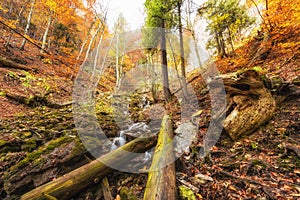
[
  {"x": 2, "y": 94},
  {"x": 103, "y": 108},
  {"x": 78, "y": 148},
  {"x": 3, "y": 143},
  {"x": 186, "y": 193},
  {"x": 30, "y": 145},
  {"x": 259, "y": 163},
  {"x": 34, "y": 156},
  {"x": 127, "y": 194},
  {"x": 27, "y": 134}
]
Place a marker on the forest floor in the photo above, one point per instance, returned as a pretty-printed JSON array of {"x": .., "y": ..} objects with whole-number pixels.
[{"x": 39, "y": 141}]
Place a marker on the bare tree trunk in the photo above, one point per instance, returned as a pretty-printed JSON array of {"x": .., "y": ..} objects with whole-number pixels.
[
  {"x": 182, "y": 59},
  {"x": 117, "y": 61},
  {"x": 154, "y": 85},
  {"x": 8, "y": 40},
  {"x": 46, "y": 33},
  {"x": 191, "y": 28},
  {"x": 231, "y": 40},
  {"x": 164, "y": 64},
  {"x": 86, "y": 39},
  {"x": 20, "y": 15},
  {"x": 28, "y": 24},
  {"x": 92, "y": 41}
]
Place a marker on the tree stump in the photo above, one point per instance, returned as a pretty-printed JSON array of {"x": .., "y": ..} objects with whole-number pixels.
[{"x": 249, "y": 103}]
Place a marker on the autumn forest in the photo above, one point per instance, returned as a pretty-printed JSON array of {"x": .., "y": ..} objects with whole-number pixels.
[{"x": 153, "y": 99}]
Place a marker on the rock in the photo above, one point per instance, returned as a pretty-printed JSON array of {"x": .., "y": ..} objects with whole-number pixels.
[{"x": 186, "y": 133}]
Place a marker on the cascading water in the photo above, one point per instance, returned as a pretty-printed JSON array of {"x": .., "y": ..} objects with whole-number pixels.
[
  {"x": 118, "y": 141},
  {"x": 136, "y": 129}
]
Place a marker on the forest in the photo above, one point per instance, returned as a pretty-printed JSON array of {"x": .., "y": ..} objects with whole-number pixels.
[{"x": 201, "y": 101}]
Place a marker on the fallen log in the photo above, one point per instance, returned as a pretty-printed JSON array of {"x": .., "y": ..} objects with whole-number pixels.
[
  {"x": 70, "y": 184},
  {"x": 4, "y": 62},
  {"x": 161, "y": 182}
]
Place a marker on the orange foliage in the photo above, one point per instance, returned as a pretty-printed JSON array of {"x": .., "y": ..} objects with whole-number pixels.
[
  {"x": 275, "y": 45},
  {"x": 282, "y": 16}
]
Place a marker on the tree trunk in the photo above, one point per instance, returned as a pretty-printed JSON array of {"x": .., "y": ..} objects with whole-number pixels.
[
  {"x": 161, "y": 182},
  {"x": 182, "y": 58},
  {"x": 92, "y": 41},
  {"x": 46, "y": 33},
  {"x": 223, "y": 46},
  {"x": 70, "y": 184},
  {"x": 117, "y": 62},
  {"x": 102, "y": 22},
  {"x": 164, "y": 64},
  {"x": 230, "y": 39},
  {"x": 86, "y": 39},
  {"x": 28, "y": 24}
]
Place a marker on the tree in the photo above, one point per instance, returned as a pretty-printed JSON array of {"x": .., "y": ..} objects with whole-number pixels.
[
  {"x": 182, "y": 58},
  {"x": 225, "y": 19},
  {"x": 28, "y": 24},
  {"x": 120, "y": 29},
  {"x": 158, "y": 14}
]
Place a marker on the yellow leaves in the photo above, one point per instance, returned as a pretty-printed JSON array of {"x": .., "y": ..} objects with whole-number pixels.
[
  {"x": 283, "y": 13},
  {"x": 52, "y": 5},
  {"x": 3, "y": 9},
  {"x": 12, "y": 23}
]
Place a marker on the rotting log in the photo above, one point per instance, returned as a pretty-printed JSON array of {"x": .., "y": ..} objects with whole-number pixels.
[
  {"x": 4, "y": 62},
  {"x": 71, "y": 183},
  {"x": 106, "y": 189},
  {"x": 249, "y": 103},
  {"x": 35, "y": 100},
  {"x": 161, "y": 182}
]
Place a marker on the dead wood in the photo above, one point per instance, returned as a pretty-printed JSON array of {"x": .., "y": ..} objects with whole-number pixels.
[
  {"x": 70, "y": 184},
  {"x": 4, "y": 62},
  {"x": 106, "y": 189},
  {"x": 161, "y": 182},
  {"x": 249, "y": 103}
]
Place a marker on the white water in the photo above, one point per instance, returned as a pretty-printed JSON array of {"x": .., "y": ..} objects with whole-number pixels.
[{"x": 118, "y": 141}]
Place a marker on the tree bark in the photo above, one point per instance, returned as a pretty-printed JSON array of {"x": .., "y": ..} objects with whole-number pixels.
[
  {"x": 161, "y": 182},
  {"x": 28, "y": 24},
  {"x": 46, "y": 34},
  {"x": 86, "y": 39},
  {"x": 182, "y": 59},
  {"x": 92, "y": 41},
  {"x": 70, "y": 184},
  {"x": 164, "y": 64}
]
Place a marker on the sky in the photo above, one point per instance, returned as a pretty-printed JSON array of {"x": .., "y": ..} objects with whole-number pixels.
[{"x": 132, "y": 10}]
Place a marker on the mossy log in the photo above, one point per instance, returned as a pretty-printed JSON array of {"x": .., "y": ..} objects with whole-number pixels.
[
  {"x": 35, "y": 100},
  {"x": 249, "y": 103},
  {"x": 70, "y": 184},
  {"x": 161, "y": 182}
]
